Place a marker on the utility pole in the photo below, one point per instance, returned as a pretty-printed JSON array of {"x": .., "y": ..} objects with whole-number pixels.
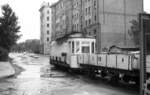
[{"x": 145, "y": 49}]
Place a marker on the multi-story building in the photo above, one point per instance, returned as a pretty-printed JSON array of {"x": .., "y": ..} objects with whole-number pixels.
[
  {"x": 77, "y": 15},
  {"x": 109, "y": 21},
  {"x": 90, "y": 16},
  {"x": 106, "y": 20},
  {"x": 61, "y": 18},
  {"x": 114, "y": 19},
  {"x": 45, "y": 17}
]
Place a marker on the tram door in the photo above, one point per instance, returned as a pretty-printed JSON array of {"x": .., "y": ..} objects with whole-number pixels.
[{"x": 145, "y": 54}]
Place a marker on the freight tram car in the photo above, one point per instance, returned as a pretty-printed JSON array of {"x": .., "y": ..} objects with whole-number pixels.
[
  {"x": 79, "y": 54},
  {"x": 115, "y": 65}
]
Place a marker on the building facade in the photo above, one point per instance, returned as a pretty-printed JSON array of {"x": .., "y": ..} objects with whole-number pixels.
[
  {"x": 106, "y": 20},
  {"x": 114, "y": 18},
  {"x": 77, "y": 15},
  {"x": 45, "y": 27},
  {"x": 61, "y": 18}
]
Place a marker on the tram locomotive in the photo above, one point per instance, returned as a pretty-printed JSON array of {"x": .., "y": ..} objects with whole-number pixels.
[
  {"x": 66, "y": 54},
  {"x": 78, "y": 53}
]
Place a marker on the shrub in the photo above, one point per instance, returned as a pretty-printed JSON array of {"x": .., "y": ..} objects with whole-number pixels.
[{"x": 3, "y": 54}]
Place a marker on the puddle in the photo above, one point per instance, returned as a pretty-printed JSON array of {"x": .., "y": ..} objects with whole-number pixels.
[{"x": 30, "y": 72}]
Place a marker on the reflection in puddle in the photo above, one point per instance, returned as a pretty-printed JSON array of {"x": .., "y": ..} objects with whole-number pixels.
[{"x": 30, "y": 72}]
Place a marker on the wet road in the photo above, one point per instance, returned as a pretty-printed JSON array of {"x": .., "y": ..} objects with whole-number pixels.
[{"x": 39, "y": 78}]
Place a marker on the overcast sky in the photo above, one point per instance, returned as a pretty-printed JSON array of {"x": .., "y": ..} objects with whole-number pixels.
[{"x": 29, "y": 16}]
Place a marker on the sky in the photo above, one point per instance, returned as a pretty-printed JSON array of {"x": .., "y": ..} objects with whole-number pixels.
[{"x": 29, "y": 15}]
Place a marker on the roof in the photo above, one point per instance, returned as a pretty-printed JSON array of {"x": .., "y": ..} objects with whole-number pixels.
[
  {"x": 54, "y": 4},
  {"x": 44, "y": 5},
  {"x": 125, "y": 48}
]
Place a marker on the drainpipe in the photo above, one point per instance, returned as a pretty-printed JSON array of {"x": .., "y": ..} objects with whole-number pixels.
[{"x": 125, "y": 37}]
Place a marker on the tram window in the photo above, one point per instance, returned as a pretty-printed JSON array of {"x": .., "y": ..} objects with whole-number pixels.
[
  {"x": 59, "y": 58},
  {"x": 85, "y": 49},
  {"x": 92, "y": 47},
  {"x": 99, "y": 59},
  {"x": 72, "y": 46},
  {"x": 77, "y": 46}
]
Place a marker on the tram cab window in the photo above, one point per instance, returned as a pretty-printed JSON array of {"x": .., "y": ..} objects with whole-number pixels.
[
  {"x": 93, "y": 47},
  {"x": 72, "y": 46},
  {"x": 85, "y": 49},
  {"x": 77, "y": 47}
]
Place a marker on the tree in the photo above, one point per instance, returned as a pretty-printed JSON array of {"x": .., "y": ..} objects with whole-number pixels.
[
  {"x": 135, "y": 32},
  {"x": 8, "y": 28},
  {"x": 32, "y": 45}
]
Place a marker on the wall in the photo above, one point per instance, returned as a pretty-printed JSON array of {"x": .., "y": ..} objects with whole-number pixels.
[
  {"x": 114, "y": 18},
  {"x": 45, "y": 13}
]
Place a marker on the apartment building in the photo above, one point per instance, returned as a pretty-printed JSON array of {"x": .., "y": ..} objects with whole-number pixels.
[
  {"x": 106, "y": 20},
  {"x": 45, "y": 27},
  {"x": 114, "y": 18},
  {"x": 61, "y": 18},
  {"x": 77, "y": 16}
]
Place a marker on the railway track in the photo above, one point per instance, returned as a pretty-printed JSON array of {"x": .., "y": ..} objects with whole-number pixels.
[{"x": 97, "y": 79}]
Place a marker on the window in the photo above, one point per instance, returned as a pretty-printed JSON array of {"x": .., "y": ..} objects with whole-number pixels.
[
  {"x": 77, "y": 15},
  {"x": 48, "y": 12},
  {"x": 85, "y": 49},
  {"x": 89, "y": 10},
  {"x": 47, "y": 31},
  {"x": 72, "y": 46},
  {"x": 89, "y": 21},
  {"x": 122, "y": 59},
  {"x": 99, "y": 59},
  {"x": 47, "y": 18},
  {"x": 95, "y": 18},
  {"x": 86, "y": 11},
  {"x": 89, "y": 33},
  {"x": 81, "y": 26},
  {"x": 74, "y": 26},
  {"x": 47, "y": 39},
  {"x": 95, "y": 4},
  {"x": 92, "y": 47},
  {"x": 47, "y": 25},
  {"x": 77, "y": 46},
  {"x": 86, "y": 23},
  {"x": 95, "y": 32}
]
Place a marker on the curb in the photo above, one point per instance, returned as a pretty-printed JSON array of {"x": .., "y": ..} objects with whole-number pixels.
[
  {"x": 16, "y": 70},
  {"x": 8, "y": 75}
]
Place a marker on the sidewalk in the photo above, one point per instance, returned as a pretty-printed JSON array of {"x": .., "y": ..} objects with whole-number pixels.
[{"x": 6, "y": 70}]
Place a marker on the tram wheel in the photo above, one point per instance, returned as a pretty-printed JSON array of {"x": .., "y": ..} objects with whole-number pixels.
[
  {"x": 126, "y": 78},
  {"x": 103, "y": 74}
]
